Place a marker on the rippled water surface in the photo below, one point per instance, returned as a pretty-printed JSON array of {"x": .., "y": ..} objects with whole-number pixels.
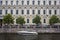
[{"x": 40, "y": 36}]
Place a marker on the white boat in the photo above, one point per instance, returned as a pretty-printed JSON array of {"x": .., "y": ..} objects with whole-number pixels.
[{"x": 26, "y": 32}]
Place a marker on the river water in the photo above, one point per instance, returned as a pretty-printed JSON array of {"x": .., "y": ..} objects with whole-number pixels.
[{"x": 40, "y": 36}]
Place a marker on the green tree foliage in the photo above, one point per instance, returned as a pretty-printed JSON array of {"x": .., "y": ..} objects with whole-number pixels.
[
  {"x": 54, "y": 19},
  {"x": 20, "y": 20},
  {"x": 37, "y": 19},
  {"x": 7, "y": 19}
]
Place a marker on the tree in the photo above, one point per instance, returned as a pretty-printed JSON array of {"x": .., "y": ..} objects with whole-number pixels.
[
  {"x": 37, "y": 19},
  {"x": 20, "y": 20},
  {"x": 7, "y": 19},
  {"x": 54, "y": 19}
]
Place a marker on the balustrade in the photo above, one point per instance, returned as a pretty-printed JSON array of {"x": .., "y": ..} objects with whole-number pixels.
[{"x": 17, "y": 28}]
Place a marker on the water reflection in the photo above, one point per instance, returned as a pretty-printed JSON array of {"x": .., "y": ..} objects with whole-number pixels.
[
  {"x": 16, "y": 36},
  {"x": 49, "y": 36},
  {"x": 40, "y": 36}
]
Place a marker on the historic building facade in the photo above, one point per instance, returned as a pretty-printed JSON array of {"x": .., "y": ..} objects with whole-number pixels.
[{"x": 30, "y": 8}]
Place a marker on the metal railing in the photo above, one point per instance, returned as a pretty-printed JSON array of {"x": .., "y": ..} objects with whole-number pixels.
[{"x": 21, "y": 28}]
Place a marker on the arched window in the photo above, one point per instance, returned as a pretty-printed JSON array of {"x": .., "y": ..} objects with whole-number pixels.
[
  {"x": 55, "y": 11},
  {"x": 16, "y": 11},
  {"x": 22, "y": 11},
  {"x": 0, "y": 11},
  {"x": 6, "y": 11},
  {"x": 27, "y": 2},
  {"x": 22, "y": 2},
  {"x": 33, "y": 2},
  {"x": 27, "y": 20},
  {"x": 50, "y": 12},
  {"x": 38, "y": 2},
  {"x": 11, "y": 11},
  {"x": 0, "y": 2},
  {"x": 43, "y": 2},
  {"x": 6, "y": 2},
  {"x": 33, "y": 11},
  {"x": 44, "y": 20},
  {"x": 38, "y": 11},
  {"x": 49, "y": 2},
  {"x": 55, "y": 2},
  {"x": 11, "y": 2},
  {"x": 17, "y": 2},
  {"x": 27, "y": 11}
]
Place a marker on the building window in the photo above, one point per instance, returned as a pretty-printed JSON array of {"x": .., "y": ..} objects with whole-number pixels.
[
  {"x": 0, "y": 2},
  {"x": 11, "y": 2},
  {"x": 43, "y": 2},
  {"x": 49, "y": 11},
  {"x": 49, "y": 2},
  {"x": 38, "y": 11},
  {"x": 27, "y": 2},
  {"x": 22, "y": 2},
  {"x": 55, "y": 11},
  {"x": 33, "y": 11},
  {"x": 38, "y": 2},
  {"x": 44, "y": 20},
  {"x": 22, "y": 11},
  {"x": 6, "y": 11},
  {"x": 16, "y": 11},
  {"x": 11, "y": 11},
  {"x": 27, "y": 20},
  {"x": 6, "y": 2},
  {"x": 33, "y": 2},
  {"x": 44, "y": 11},
  {"x": 16, "y": 2},
  {"x": 27, "y": 11},
  {"x": 0, "y": 11},
  {"x": 54, "y": 2}
]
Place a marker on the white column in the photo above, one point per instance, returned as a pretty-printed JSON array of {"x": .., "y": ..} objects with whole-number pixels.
[
  {"x": 42, "y": 12},
  {"x": 41, "y": 2},
  {"x": 9, "y": 2},
  {"x": 52, "y": 11},
  {"x": 35, "y": 11},
  {"x": 9, "y": 11},
  {"x": 31, "y": 2},
  {"x": 3, "y": 3},
  {"x": 47, "y": 11},
  {"x": 36, "y": 2},
  {"x": 3, "y": 11},
  {"x": 15, "y": 21},
  {"x": 57, "y": 2},
  {"x": 47, "y": 2},
  {"x": 57, "y": 11},
  {"x": 14, "y": 2},
  {"x": 52, "y": 2},
  {"x": 20, "y": 2},
  {"x": 25, "y": 11},
  {"x": 30, "y": 11},
  {"x": 25, "y": 2}
]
